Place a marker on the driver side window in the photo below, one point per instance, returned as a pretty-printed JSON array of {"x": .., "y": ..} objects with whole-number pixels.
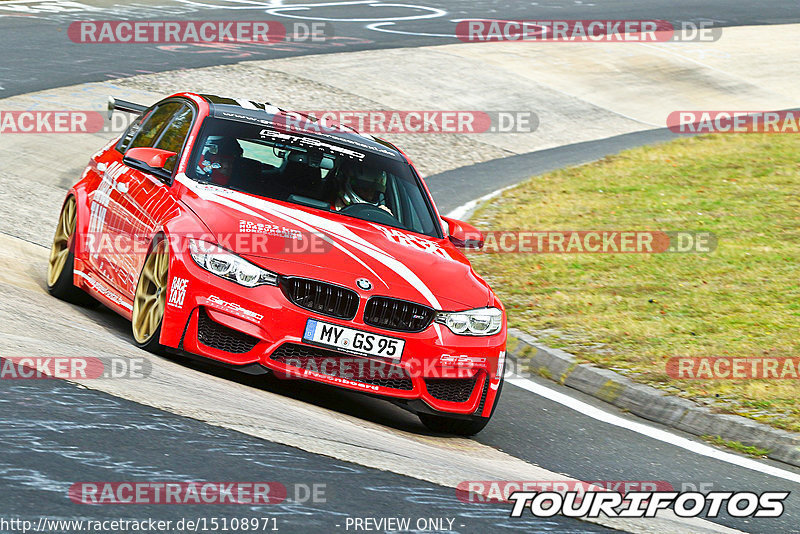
[
  {"x": 165, "y": 127},
  {"x": 153, "y": 126},
  {"x": 174, "y": 135},
  {"x": 132, "y": 130}
]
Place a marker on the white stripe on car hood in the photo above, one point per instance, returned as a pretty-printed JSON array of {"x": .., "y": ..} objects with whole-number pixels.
[
  {"x": 312, "y": 223},
  {"x": 304, "y": 219},
  {"x": 220, "y": 195}
]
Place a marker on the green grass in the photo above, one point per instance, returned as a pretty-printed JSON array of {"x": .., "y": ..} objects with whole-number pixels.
[
  {"x": 632, "y": 312},
  {"x": 737, "y": 446}
]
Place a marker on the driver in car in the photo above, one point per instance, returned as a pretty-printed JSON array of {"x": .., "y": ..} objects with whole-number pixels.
[
  {"x": 363, "y": 185},
  {"x": 217, "y": 159}
]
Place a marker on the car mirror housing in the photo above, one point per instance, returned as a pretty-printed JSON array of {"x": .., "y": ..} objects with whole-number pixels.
[
  {"x": 463, "y": 235},
  {"x": 152, "y": 160}
]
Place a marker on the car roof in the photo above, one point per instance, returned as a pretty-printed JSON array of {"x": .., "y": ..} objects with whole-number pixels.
[{"x": 264, "y": 113}]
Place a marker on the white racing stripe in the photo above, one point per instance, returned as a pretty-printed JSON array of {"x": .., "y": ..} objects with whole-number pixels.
[
  {"x": 343, "y": 233},
  {"x": 315, "y": 223},
  {"x": 204, "y": 192},
  {"x": 218, "y": 194},
  {"x": 367, "y": 248},
  {"x": 233, "y": 198},
  {"x": 327, "y": 238},
  {"x": 246, "y": 104},
  {"x": 649, "y": 431}
]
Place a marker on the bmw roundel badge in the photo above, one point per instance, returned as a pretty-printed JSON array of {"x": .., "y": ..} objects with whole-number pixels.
[{"x": 364, "y": 284}]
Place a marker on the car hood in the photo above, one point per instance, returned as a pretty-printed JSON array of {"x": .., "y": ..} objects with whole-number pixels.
[{"x": 298, "y": 241}]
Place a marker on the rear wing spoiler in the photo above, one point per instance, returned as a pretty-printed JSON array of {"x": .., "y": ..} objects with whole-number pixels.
[{"x": 124, "y": 105}]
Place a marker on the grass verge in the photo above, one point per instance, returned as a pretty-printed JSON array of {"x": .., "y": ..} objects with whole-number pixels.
[
  {"x": 737, "y": 446},
  {"x": 632, "y": 312}
]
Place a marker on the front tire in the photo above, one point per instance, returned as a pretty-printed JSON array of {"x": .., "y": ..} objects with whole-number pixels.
[
  {"x": 61, "y": 264},
  {"x": 448, "y": 425},
  {"x": 150, "y": 298},
  {"x": 459, "y": 427}
]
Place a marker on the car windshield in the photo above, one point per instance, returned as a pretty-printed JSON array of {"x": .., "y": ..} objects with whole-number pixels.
[{"x": 337, "y": 177}]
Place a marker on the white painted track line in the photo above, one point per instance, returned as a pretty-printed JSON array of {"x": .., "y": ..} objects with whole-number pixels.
[{"x": 649, "y": 431}]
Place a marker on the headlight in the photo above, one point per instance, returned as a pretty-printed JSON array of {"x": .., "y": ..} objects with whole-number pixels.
[
  {"x": 228, "y": 265},
  {"x": 479, "y": 322}
]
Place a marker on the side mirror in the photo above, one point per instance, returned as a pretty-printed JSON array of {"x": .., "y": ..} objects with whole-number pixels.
[
  {"x": 152, "y": 160},
  {"x": 463, "y": 235}
]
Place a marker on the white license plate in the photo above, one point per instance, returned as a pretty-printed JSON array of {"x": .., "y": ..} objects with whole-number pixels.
[{"x": 351, "y": 340}]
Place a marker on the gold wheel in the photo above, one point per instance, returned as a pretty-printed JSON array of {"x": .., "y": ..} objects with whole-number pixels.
[
  {"x": 61, "y": 242},
  {"x": 151, "y": 295}
]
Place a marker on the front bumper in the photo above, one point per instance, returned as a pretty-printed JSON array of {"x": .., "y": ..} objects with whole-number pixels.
[{"x": 246, "y": 327}]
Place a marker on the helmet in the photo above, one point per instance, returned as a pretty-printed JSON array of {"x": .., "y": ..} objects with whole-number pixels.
[
  {"x": 217, "y": 157},
  {"x": 363, "y": 185}
]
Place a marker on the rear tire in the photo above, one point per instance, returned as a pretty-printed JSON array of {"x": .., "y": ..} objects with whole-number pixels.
[{"x": 61, "y": 264}]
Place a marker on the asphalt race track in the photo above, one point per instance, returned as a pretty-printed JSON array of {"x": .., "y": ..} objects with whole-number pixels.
[
  {"x": 54, "y": 433},
  {"x": 113, "y": 434},
  {"x": 47, "y": 61}
]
